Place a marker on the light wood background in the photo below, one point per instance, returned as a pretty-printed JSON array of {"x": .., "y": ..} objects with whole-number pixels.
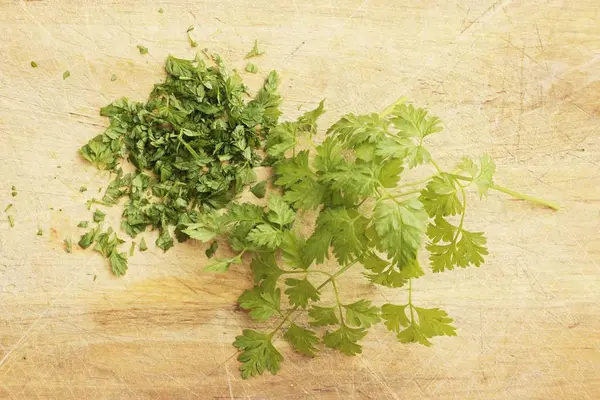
[{"x": 516, "y": 79}]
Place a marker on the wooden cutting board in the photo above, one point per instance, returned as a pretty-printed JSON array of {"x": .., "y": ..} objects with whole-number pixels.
[{"x": 518, "y": 80}]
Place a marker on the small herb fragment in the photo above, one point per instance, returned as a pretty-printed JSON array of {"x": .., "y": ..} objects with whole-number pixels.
[
  {"x": 252, "y": 68},
  {"x": 34, "y": 64},
  {"x": 212, "y": 249},
  {"x": 83, "y": 224},
  {"x": 193, "y": 43},
  {"x": 11, "y": 221},
  {"x": 255, "y": 51},
  {"x": 83, "y": 189},
  {"x": 143, "y": 245},
  {"x": 8, "y": 207},
  {"x": 259, "y": 189},
  {"x": 142, "y": 49},
  {"x": 99, "y": 216},
  {"x": 113, "y": 77},
  {"x": 132, "y": 249},
  {"x": 40, "y": 232},
  {"x": 68, "y": 245},
  {"x": 65, "y": 75},
  {"x": 160, "y": 10}
]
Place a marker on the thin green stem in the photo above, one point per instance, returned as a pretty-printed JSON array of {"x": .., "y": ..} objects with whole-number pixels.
[
  {"x": 415, "y": 183},
  {"x": 337, "y": 300},
  {"x": 283, "y": 321},
  {"x": 412, "y": 317},
  {"x": 439, "y": 170},
  {"x": 304, "y": 271},
  {"x": 462, "y": 216},
  {"x": 516, "y": 195},
  {"x": 395, "y": 196},
  {"x": 189, "y": 148}
]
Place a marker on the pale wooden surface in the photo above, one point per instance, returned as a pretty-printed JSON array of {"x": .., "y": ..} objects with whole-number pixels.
[{"x": 517, "y": 79}]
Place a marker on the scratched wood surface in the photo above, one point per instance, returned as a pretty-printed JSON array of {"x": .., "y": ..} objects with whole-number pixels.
[{"x": 516, "y": 79}]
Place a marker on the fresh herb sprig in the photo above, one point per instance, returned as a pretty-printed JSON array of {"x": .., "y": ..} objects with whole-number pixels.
[{"x": 367, "y": 215}]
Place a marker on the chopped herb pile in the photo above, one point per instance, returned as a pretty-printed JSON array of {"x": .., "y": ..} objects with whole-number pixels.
[{"x": 193, "y": 143}]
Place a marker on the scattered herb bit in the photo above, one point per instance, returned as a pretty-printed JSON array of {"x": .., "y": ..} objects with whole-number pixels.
[
  {"x": 255, "y": 51},
  {"x": 193, "y": 43},
  {"x": 68, "y": 245},
  {"x": 113, "y": 77},
  {"x": 34, "y": 64},
  {"x": 95, "y": 277},
  {"x": 83, "y": 224},
  {"x": 40, "y": 232},
  {"x": 142, "y": 49},
  {"x": 14, "y": 194},
  {"x": 99, "y": 216},
  {"x": 363, "y": 217},
  {"x": 259, "y": 189},
  {"x": 13, "y": 187},
  {"x": 212, "y": 249},
  {"x": 11, "y": 221},
  {"x": 118, "y": 263},
  {"x": 83, "y": 189},
  {"x": 160, "y": 10},
  {"x": 88, "y": 238},
  {"x": 143, "y": 246},
  {"x": 8, "y": 207},
  {"x": 251, "y": 68},
  {"x": 66, "y": 74},
  {"x": 201, "y": 153},
  {"x": 131, "y": 249}
]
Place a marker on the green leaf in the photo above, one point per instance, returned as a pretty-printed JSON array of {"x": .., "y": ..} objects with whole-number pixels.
[
  {"x": 88, "y": 238},
  {"x": 292, "y": 248},
  {"x": 399, "y": 227},
  {"x": 258, "y": 354},
  {"x": 440, "y": 197},
  {"x": 265, "y": 270},
  {"x": 308, "y": 120},
  {"x": 468, "y": 250},
  {"x": 329, "y": 155},
  {"x": 262, "y": 302},
  {"x": 265, "y": 235},
  {"x": 222, "y": 264},
  {"x": 118, "y": 262},
  {"x": 394, "y": 316},
  {"x": 65, "y": 75},
  {"x": 431, "y": 322},
  {"x": 99, "y": 216},
  {"x": 347, "y": 231},
  {"x": 389, "y": 174},
  {"x": 259, "y": 189},
  {"x": 362, "y": 313},
  {"x": 300, "y": 292},
  {"x": 142, "y": 49},
  {"x": 255, "y": 51},
  {"x": 34, "y": 64},
  {"x": 252, "y": 68},
  {"x": 279, "y": 211},
  {"x": 281, "y": 139},
  {"x": 482, "y": 176},
  {"x": 353, "y": 130},
  {"x": 83, "y": 224},
  {"x": 414, "y": 122},
  {"x": 322, "y": 316},
  {"x": 302, "y": 340},
  {"x": 441, "y": 230},
  {"x": 164, "y": 240},
  {"x": 345, "y": 339},
  {"x": 200, "y": 232},
  {"x": 353, "y": 180}
]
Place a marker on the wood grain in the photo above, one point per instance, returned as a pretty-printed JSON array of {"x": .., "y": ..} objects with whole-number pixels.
[{"x": 519, "y": 80}]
